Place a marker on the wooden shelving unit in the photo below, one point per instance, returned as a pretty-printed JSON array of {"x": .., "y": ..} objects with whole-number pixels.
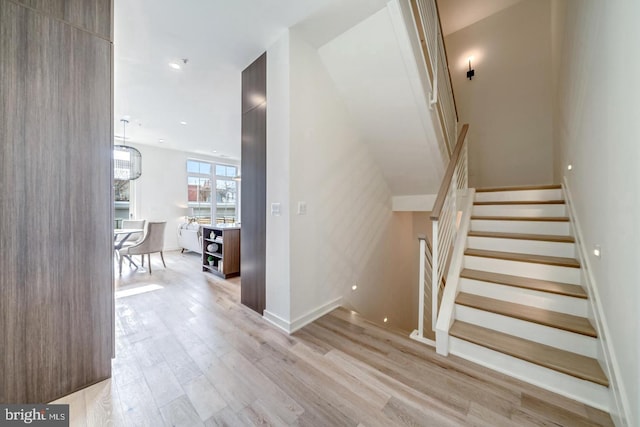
[{"x": 226, "y": 253}]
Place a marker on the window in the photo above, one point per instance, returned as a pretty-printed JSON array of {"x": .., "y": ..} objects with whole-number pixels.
[
  {"x": 226, "y": 171},
  {"x": 121, "y": 190},
  {"x": 223, "y": 205},
  {"x": 121, "y": 198},
  {"x": 199, "y": 189},
  {"x": 226, "y": 193}
]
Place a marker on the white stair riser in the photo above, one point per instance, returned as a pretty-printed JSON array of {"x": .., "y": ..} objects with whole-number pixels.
[
  {"x": 530, "y": 297},
  {"x": 574, "y": 388},
  {"x": 553, "y": 273},
  {"x": 519, "y": 195},
  {"x": 520, "y": 210},
  {"x": 558, "y": 338},
  {"x": 556, "y": 228},
  {"x": 520, "y": 246}
]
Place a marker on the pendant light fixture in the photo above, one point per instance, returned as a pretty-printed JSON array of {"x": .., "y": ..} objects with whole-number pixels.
[{"x": 127, "y": 161}]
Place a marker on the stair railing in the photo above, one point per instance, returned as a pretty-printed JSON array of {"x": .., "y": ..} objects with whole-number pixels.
[
  {"x": 434, "y": 261},
  {"x": 427, "y": 19},
  {"x": 435, "y": 258},
  {"x": 445, "y": 218},
  {"x": 424, "y": 283}
]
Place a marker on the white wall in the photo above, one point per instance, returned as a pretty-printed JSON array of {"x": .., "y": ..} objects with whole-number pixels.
[
  {"x": 350, "y": 234},
  {"x": 349, "y": 203},
  {"x": 278, "y": 287},
  {"x": 374, "y": 70},
  {"x": 508, "y": 103},
  {"x": 596, "y": 131},
  {"x": 160, "y": 194}
]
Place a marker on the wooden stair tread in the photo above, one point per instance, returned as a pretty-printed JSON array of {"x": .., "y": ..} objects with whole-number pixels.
[
  {"x": 521, "y": 218},
  {"x": 519, "y": 188},
  {"x": 526, "y": 283},
  {"x": 513, "y": 256},
  {"x": 554, "y": 319},
  {"x": 522, "y": 236},
  {"x": 576, "y": 365},
  {"x": 520, "y": 202}
]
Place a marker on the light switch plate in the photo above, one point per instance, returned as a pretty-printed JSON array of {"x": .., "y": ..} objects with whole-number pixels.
[
  {"x": 302, "y": 208},
  {"x": 275, "y": 209}
]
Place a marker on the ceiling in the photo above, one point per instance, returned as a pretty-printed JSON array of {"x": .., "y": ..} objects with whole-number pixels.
[
  {"x": 367, "y": 66},
  {"x": 219, "y": 38},
  {"x": 458, "y": 14}
]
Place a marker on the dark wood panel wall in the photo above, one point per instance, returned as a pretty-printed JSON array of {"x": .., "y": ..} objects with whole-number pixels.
[
  {"x": 93, "y": 16},
  {"x": 254, "y": 184},
  {"x": 56, "y": 275}
]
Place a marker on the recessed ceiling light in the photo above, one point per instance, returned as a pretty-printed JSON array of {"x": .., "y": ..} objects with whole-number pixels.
[
  {"x": 385, "y": 320},
  {"x": 183, "y": 123},
  {"x": 161, "y": 140},
  {"x": 215, "y": 151},
  {"x": 354, "y": 287},
  {"x": 174, "y": 65}
]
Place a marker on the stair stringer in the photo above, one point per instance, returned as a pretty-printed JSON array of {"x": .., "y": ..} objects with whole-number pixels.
[{"x": 447, "y": 305}]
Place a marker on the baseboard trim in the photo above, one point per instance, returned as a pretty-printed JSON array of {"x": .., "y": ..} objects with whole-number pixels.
[
  {"x": 415, "y": 335},
  {"x": 276, "y": 320},
  {"x": 619, "y": 405},
  {"x": 315, "y": 314},
  {"x": 305, "y": 319}
]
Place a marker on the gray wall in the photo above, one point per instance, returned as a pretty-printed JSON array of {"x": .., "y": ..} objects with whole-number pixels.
[
  {"x": 508, "y": 104},
  {"x": 596, "y": 131},
  {"x": 56, "y": 284}
]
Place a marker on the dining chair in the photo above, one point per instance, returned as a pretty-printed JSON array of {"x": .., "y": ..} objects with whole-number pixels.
[{"x": 152, "y": 242}]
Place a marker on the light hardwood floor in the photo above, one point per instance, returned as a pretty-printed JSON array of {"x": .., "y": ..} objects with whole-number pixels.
[{"x": 189, "y": 355}]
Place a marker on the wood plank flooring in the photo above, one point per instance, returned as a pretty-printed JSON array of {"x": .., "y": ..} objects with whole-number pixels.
[
  {"x": 519, "y": 188},
  {"x": 537, "y": 259},
  {"x": 188, "y": 354},
  {"x": 525, "y": 282},
  {"x": 554, "y": 319},
  {"x": 522, "y": 236},
  {"x": 520, "y": 218},
  {"x": 573, "y": 364},
  {"x": 520, "y": 202}
]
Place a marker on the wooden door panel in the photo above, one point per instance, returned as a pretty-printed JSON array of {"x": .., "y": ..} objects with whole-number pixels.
[
  {"x": 56, "y": 302},
  {"x": 254, "y": 189}
]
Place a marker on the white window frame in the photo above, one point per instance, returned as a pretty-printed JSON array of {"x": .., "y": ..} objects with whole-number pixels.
[{"x": 213, "y": 179}]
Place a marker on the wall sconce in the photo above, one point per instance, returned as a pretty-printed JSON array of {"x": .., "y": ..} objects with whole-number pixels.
[{"x": 471, "y": 71}]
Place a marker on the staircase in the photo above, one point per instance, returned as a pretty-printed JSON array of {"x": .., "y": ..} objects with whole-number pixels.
[{"x": 520, "y": 308}]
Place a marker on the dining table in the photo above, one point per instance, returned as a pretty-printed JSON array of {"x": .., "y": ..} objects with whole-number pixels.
[{"x": 124, "y": 234}]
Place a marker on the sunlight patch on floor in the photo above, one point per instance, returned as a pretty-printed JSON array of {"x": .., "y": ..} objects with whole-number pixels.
[{"x": 137, "y": 290}]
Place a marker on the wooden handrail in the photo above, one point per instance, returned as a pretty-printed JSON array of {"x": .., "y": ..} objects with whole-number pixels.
[{"x": 448, "y": 175}]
